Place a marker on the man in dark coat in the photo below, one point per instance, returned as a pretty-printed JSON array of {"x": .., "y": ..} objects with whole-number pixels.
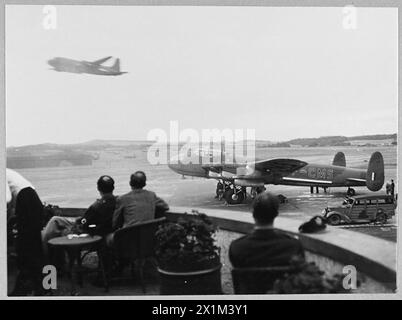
[
  {"x": 97, "y": 219},
  {"x": 265, "y": 246},
  {"x": 392, "y": 188}
]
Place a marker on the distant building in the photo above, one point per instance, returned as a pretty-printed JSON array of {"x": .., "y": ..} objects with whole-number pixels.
[{"x": 48, "y": 160}]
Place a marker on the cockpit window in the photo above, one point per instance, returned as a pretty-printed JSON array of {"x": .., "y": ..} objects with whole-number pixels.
[{"x": 209, "y": 153}]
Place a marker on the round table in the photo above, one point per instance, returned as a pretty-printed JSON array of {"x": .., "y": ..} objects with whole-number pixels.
[
  {"x": 74, "y": 247},
  {"x": 75, "y": 241}
]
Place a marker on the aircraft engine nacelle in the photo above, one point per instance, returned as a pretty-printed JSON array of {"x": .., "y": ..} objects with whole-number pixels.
[
  {"x": 226, "y": 174},
  {"x": 245, "y": 171},
  {"x": 248, "y": 183},
  {"x": 375, "y": 172},
  {"x": 223, "y": 174},
  {"x": 212, "y": 174}
]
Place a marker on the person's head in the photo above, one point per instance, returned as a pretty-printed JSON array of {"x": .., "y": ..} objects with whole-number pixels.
[
  {"x": 138, "y": 180},
  {"x": 392, "y": 181},
  {"x": 265, "y": 208},
  {"x": 105, "y": 184}
]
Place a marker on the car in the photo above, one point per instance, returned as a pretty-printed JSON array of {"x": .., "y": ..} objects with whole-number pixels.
[{"x": 360, "y": 209}]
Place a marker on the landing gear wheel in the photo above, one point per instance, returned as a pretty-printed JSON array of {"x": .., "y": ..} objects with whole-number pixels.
[
  {"x": 351, "y": 192},
  {"x": 381, "y": 218},
  {"x": 234, "y": 198},
  {"x": 334, "y": 219}
]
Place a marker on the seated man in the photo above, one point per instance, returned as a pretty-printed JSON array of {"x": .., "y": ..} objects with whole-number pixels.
[
  {"x": 25, "y": 213},
  {"x": 265, "y": 246},
  {"x": 98, "y": 216},
  {"x": 138, "y": 205}
]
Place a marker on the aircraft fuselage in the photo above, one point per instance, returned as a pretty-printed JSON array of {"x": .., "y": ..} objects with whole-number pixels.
[
  {"x": 75, "y": 66},
  {"x": 309, "y": 175}
]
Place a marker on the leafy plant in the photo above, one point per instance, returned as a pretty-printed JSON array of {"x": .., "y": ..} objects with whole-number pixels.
[
  {"x": 308, "y": 279},
  {"x": 188, "y": 244}
]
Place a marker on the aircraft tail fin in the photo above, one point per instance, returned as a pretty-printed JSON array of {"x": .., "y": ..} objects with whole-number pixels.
[
  {"x": 116, "y": 66},
  {"x": 100, "y": 61},
  {"x": 375, "y": 172},
  {"x": 339, "y": 160}
]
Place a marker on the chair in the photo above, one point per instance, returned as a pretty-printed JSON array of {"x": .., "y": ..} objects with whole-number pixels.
[
  {"x": 136, "y": 244},
  {"x": 258, "y": 280}
]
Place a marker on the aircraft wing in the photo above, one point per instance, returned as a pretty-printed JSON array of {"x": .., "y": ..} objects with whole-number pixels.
[
  {"x": 282, "y": 166},
  {"x": 100, "y": 61},
  {"x": 218, "y": 168},
  {"x": 277, "y": 166}
]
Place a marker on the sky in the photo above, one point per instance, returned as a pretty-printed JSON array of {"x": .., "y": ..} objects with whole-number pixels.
[{"x": 284, "y": 72}]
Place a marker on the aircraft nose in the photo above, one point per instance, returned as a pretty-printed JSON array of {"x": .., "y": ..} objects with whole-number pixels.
[
  {"x": 173, "y": 164},
  {"x": 51, "y": 62}
]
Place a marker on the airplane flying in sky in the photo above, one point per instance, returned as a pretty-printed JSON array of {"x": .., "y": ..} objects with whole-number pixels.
[
  {"x": 95, "y": 67},
  {"x": 237, "y": 176}
]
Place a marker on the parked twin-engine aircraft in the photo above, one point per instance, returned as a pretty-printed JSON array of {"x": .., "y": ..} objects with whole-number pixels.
[
  {"x": 95, "y": 67},
  {"x": 237, "y": 176}
]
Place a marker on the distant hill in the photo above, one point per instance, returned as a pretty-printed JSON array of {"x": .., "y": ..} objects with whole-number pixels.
[
  {"x": 84, "y": 146},
  {"x": 46, "y": 155},
  {"x": 321, "y": 141},
  {"x": 55, "y": 155},
  {"x": 375, "y": 137},
  {"x": 115, "y": 142},
  {"x": 280, "y": 145},
  {"x": 369, "y": 140},
  {"x": 99, "y": 145}
]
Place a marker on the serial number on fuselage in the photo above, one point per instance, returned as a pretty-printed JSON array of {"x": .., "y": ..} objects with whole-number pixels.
[{"x": 315, "y": 173}]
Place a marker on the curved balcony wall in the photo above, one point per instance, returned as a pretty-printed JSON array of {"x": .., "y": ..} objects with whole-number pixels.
[{"x": 332, "y": 250}]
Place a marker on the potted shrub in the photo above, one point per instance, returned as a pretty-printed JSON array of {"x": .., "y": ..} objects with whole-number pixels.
[
  {"x": 187, "y": 255},
  {"x": 308, "y": 279}
]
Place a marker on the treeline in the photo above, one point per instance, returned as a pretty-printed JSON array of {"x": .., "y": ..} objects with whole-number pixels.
[
  {"x": 334, "y": 140},
  {"x": 321, "y": 141},
  {"x": 375, "y": 137}
]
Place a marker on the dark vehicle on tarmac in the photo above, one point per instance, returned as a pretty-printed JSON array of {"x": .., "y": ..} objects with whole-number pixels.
[{"x": 362, "y": 209}]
